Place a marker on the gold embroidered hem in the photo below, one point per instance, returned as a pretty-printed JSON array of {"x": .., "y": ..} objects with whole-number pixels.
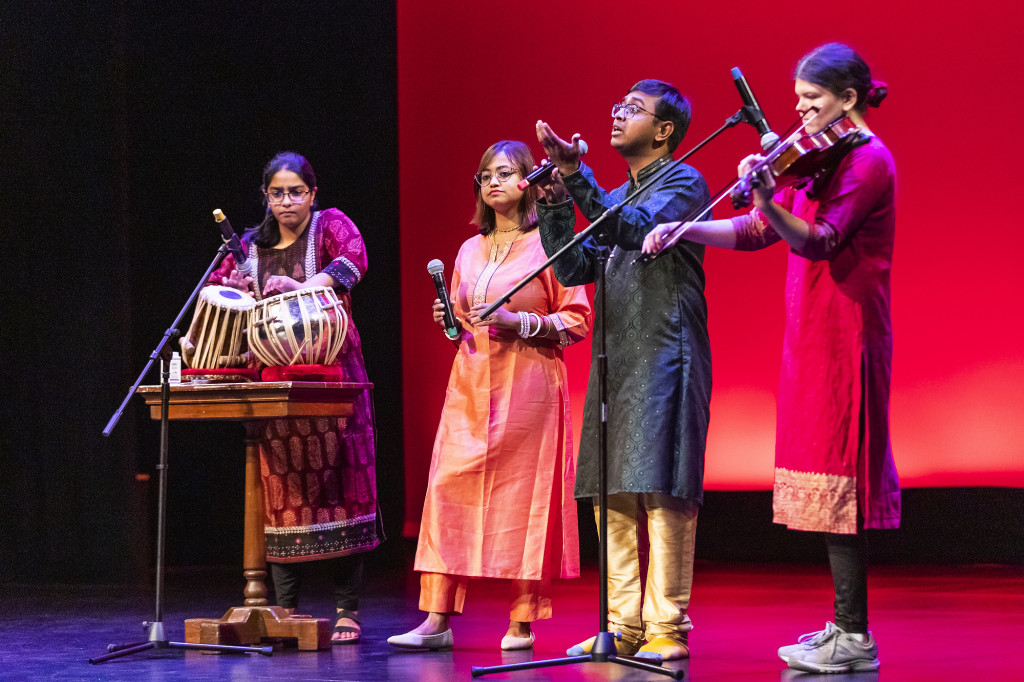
[{"x": 806, "y": 500}]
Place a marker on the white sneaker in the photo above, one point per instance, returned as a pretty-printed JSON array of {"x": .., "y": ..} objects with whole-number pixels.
[
  {"x": 832, "y": 651},
  {"x": 810, "y": 639}
]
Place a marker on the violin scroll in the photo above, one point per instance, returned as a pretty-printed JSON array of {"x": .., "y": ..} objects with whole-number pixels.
[{"x": 742, "y": 193}]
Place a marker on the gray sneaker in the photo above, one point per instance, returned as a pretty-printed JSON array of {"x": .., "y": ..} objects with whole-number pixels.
[
  {"x": 811, "y": 639},
  {"x": 832, "y": 651}
]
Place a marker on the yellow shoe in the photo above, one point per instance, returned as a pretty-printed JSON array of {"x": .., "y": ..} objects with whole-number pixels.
[
  {"x": 665, "y": 648},
  {"x": 622, "y": 647}
]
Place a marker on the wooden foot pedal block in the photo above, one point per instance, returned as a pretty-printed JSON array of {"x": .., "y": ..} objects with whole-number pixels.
[{"x": 250, "y": 625}]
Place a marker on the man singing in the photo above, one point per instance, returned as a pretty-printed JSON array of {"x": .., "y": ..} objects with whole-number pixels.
[{"x": 659, "y": 363}]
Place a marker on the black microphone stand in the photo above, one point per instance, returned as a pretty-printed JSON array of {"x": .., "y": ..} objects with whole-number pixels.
[
  {"x": 157, "y": 638},
  {"x": 603, "y": 650}
]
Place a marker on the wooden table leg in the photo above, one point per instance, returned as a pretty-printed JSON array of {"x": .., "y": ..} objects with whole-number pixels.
[
  {"x": 254, "y": 549},
  {"x": 256, "y": 622}
]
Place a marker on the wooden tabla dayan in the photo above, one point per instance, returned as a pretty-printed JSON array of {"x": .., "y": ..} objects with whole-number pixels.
[
  {"x": 215, "y": 338},
  {"x": 307, "y": 327}
]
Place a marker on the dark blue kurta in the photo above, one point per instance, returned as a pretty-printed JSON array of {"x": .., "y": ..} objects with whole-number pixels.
[{"x": 659, "y": 354}]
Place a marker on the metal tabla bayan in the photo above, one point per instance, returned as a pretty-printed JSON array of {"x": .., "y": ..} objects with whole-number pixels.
[{"x": 307, "y": 326}]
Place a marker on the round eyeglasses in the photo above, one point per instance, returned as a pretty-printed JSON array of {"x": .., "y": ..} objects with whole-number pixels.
[
  {"x": 630, "y": 110},
  {"x": 503, "y": 173},
  {"x": 276, "y": 196}
]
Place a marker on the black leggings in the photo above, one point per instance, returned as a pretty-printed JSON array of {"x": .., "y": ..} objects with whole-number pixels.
[
  {"x": 848, "y": 559},
  {"x": 346, "y": 571}
]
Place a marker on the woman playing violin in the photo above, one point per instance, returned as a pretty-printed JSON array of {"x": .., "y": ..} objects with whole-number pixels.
[{"x": 834, "y": 470}]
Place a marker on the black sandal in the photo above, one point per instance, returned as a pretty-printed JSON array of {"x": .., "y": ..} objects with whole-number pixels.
[{"x": 341, "y": 629}]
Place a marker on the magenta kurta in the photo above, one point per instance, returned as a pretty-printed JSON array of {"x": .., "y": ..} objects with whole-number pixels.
[
  {"x": 319, "y": 475},
  {"x": 832, "y": 450},
  {"x": 499, "y": 500}
]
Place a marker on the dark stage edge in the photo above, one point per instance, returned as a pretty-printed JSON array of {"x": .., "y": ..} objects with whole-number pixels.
[{"x": 932, "y": 623}]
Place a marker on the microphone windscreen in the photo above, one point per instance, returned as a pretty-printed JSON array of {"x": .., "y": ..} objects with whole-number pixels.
[{"x": 435, "y": 267}]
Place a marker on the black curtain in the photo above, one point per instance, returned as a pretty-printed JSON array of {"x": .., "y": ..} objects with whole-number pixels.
[{"x": 124, "y": 126}]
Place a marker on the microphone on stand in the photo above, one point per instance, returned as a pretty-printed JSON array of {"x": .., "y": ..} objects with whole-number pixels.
[
  {"x": 544, "y": 171},
  {"x": 227, "y": 233},
  {"x": 436, "y": 270},
  {"x": 754, "y": 114}
]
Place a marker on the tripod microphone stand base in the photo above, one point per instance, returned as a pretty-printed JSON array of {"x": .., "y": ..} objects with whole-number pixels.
[
  {"x": 156, "y": 641},
  {"x": 603, "y": 651}
]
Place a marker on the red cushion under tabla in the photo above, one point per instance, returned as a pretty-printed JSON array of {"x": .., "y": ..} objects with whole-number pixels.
[{"x": 302, "y": 373}]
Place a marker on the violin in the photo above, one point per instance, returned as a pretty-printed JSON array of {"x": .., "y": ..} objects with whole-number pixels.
[
  {"x": 799, "y": 160},
  {"x": 803, "y": 159}
]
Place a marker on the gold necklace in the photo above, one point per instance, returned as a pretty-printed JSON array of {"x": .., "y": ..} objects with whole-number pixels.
[
  {"x": 499, "y": 250},
  {"x": 511, "y": 229}
]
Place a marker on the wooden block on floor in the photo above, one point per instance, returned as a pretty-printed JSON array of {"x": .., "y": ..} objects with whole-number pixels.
[{"x": 250, "y": 625}]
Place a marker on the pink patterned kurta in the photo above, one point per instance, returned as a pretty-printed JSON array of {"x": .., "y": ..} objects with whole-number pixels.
[
  {"x": 832, "y": 450},
  {"x": 499, "y": 500},
  {"x": 319, "y": 475}
]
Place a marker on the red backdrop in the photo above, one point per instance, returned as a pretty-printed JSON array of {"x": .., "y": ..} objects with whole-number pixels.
[{"x": 471, "y": 73}]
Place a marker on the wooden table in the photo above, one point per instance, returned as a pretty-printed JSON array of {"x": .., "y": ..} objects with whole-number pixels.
[{"x": 249, "y": 403}]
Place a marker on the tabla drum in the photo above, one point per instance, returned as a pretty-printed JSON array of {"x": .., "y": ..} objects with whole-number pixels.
[
  {"x": 217, "y": 333},
  {"x": 304, "y": 327}
]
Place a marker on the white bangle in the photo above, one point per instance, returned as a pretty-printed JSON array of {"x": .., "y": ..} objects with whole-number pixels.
[
  {"x": 540, "y": 323},
  {"x": 524, "y": 324}
]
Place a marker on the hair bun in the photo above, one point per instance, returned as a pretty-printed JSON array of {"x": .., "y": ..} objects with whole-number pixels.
[{"x": 877, "y": 93}]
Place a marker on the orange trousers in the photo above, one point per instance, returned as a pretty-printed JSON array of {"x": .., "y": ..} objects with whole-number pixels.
[{"x": 443, "y": 593}]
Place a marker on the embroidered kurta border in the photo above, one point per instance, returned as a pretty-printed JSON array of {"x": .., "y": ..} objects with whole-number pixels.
[
  {"x": 806, "y": 500},
  {"x": 310, "y": 542},
  {"x": 499, "y": 252}
]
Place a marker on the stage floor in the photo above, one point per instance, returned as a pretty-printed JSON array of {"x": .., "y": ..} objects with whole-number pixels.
[{"x": 931, "y": 622}]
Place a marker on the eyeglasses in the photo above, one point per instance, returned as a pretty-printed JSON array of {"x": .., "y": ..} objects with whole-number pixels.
[
  {"x": 276, "y": 196},
  {"x": 503, "y": 173},
  {"x": 629, "y": 110}
]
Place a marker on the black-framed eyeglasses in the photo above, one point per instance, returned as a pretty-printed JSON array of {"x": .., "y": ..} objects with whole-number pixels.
[
  {"x": 503, "y": 173},
  {"x": 276, "y": 196},
  {"x": 630, "y": 110}
]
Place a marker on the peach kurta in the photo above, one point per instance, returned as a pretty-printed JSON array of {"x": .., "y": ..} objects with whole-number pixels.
[{"x": 499, "y": 500}]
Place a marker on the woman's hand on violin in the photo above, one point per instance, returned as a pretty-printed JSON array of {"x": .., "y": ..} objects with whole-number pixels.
[
  {"x": 764, "y": 191},
  {"x": 502, "y": 318},
  {"x": 565, "y": 155},
  {"x": 280, "y": 284},
  {"x": 237, "y": 281},
  {"x": 748, "y": 163},
  {"x": 658, "y": 238},
  {"x": 552, "y": 189}
]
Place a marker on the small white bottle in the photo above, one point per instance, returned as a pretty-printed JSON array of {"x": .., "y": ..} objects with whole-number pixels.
[{"x": 175, "y": 369}]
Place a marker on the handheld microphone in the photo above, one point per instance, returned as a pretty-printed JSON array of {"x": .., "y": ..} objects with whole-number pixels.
[
  {"x": 227, "y": 233},
  {"x": 754, "y": 114},
  {"x": 436, "y": 270},
  {"x": 544, "y": 171}
]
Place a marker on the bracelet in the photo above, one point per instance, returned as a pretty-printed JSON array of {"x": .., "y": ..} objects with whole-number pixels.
[
  {"x": 524, "y": 324},
  {"x": 540, "y": 323}
]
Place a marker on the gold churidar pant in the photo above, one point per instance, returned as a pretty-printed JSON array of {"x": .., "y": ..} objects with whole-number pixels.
[{"x": 671, "y": 530}]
